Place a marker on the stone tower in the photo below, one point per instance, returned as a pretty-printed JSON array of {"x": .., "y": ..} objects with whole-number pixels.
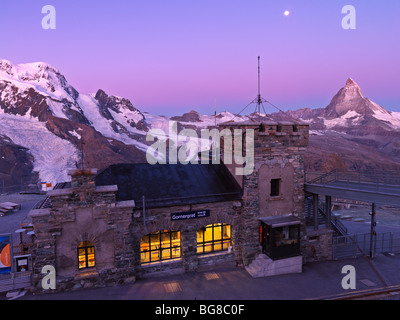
[{"x": 274, "y": 188}]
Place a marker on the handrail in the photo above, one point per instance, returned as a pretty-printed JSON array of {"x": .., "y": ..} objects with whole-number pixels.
[
  {"x": 335, "y": 221},
  {"x": 383, "y": 178},
  {"x": 321, "y": 178}
]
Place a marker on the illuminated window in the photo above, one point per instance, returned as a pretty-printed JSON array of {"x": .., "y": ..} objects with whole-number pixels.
[
  {"x": 214, "y": 237},
  {"x": 86, "y": 255},
  {"x": 160, "y": 245}
]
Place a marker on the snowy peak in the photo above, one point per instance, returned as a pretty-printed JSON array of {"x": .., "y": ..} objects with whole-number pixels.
[
  {"x": 36, "y": 90},
  {"x": 42, "y": 112},
  {"x": 351, "y": 99},
  {"x": 38, "y": 74},
  {"x": 347, "y": 109},
  {"x": 40, "y": 90},
  {"x": 351, "y": 90}
]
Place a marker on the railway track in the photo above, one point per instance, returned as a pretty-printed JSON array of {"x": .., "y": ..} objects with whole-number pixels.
[{"x": 383, "y": 293}]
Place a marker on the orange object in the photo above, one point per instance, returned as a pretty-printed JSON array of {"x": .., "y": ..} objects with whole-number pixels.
[{"x": 5, "y": 256}]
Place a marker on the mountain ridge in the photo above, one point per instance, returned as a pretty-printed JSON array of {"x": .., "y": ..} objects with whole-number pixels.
[{"x": 38, "y": 103}]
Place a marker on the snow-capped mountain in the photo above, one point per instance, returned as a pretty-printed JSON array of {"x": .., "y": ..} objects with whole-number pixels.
[
  {"x": 42, "y": 112},
  {"x": 347, "y": 109},
  {"x": 46, "y": 126},
  {"x": 351, "y": 132}
]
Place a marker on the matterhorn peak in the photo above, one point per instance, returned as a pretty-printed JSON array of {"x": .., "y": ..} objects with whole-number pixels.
[
  {"x": 350, "y": 82},
  {"x": 352, "y": 89},
  {"x": 350, "y": 99}
]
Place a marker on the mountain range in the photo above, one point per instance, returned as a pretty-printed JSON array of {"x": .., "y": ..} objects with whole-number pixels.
[{"x": 47, "y": 127}]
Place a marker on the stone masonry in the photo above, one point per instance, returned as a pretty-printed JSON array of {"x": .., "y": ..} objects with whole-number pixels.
[
  {"x": 83, "y": 213},
  {"x": 86, "y": 212},
  {"x": 279, "y": 149}
]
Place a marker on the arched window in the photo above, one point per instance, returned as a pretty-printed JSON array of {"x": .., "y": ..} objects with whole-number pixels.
[
  {"x": 86, "y": 255},
  {"x": 160, "y": 245},
  {"x": 214, "y": 237}
]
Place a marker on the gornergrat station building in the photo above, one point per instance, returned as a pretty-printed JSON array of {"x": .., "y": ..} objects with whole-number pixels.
[{"x": 131, "y": 221}]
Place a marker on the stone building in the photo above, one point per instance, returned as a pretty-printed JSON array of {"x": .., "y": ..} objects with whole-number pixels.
[{"x": 137, "y": 220}]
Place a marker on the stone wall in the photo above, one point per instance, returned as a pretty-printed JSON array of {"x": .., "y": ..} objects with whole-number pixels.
[
  {"x": 279, "y": 149},
  {"x": 89, "y": 213},
  {"x": 83, "y": 213},
  {"x": 318, "y": 245},
  {"x": 156, "y": 219}
]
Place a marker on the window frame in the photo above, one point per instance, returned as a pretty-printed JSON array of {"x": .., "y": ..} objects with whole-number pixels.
[
  {"x": 85, "y": 245},
  {"x": 159, "y": 246},
  {"x": 275, "y": 187},
  {"x": 214, "y": 242}
]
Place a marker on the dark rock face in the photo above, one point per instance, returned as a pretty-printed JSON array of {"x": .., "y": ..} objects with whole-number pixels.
[
  {"x": 192, "y": 116},
  {"x": 17, "y": 103},
  {"x": 117, "y": 104},
  {"x": 16, "y": 166}
]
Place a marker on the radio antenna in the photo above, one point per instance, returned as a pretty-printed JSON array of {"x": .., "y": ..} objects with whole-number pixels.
[{"x": 259, "y": 100}]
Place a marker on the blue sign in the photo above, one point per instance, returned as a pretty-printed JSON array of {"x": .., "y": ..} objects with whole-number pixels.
[{"x": 190, "y": 215}]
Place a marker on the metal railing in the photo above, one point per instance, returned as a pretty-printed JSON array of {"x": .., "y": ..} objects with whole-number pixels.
[
  {"x": 351, "y": 246},
  {"x": 381, "y": 178},
  {"x": 336, "y": 224}
]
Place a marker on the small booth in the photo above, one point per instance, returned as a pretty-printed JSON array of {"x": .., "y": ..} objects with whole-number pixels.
[{"x": 280, "y": 236}]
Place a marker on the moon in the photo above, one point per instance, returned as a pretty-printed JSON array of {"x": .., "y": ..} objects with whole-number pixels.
[{"x": 286, "y": 13}]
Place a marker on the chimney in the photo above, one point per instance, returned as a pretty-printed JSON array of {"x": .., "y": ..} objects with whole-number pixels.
[{"x": 83, "y": 178}]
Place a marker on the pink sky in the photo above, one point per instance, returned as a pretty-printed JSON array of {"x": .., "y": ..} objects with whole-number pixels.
[{"x": 169, "y": 57}]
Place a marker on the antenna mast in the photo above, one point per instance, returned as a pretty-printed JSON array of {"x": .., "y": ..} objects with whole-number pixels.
[{"x": 259, "y": 102}]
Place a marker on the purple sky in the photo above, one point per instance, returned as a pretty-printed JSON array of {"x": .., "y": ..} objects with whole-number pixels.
[{"x": 169, "y": 57}]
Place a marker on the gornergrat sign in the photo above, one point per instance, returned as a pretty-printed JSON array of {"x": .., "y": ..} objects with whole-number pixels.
[{"x": 190, "y": 215}]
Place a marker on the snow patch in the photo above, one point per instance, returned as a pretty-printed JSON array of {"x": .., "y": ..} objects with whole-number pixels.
[
  {"x": 393, "y": 118},
  {"x": 75, "y": 134},
  {"x": 350, "y": 118}
]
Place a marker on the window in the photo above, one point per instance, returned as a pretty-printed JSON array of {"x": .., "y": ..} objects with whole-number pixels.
[
  {"x": 160, "y": 245},
  {"x": 275, "y": 184},
  {"x": 280, "y": 242},
  {"x": 214, "y": 237},
  {"x": 286, "y": 235},
  {"x": 86, "y": 255}
]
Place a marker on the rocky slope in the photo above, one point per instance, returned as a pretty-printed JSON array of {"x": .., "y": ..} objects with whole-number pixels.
[{"x": 15, "y": 165}]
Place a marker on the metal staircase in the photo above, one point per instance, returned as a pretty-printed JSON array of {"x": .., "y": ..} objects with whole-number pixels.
[{"x": 336, "y": 225}]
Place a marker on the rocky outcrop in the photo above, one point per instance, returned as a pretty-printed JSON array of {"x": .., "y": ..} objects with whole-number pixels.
[
  {"x": 191, "y": 116},
  {"x": 16, "y": 166}
]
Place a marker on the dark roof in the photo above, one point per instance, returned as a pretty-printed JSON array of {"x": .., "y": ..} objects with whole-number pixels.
[{"x": 171, "y": 184}]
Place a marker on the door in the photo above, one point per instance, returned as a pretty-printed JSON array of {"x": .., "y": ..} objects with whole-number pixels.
[{"x": 265, "y": 238}]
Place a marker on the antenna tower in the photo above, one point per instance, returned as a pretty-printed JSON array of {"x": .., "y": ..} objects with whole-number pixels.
[{"x": 259, "y": 100}]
